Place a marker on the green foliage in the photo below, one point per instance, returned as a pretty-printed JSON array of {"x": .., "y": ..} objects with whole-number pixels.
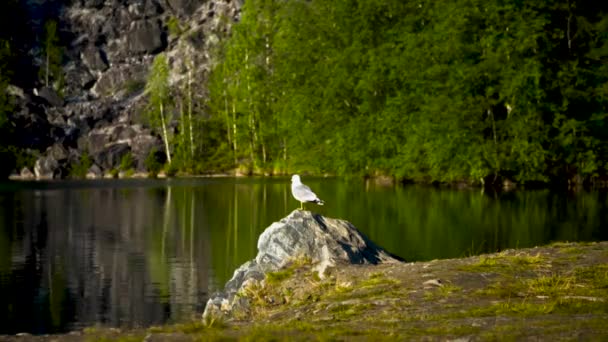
[
  {"x": 24, "y": 158},
  {"x": 80, "y": 169},
  {"x": 171, "y": 169},
  {"x": 127, "y": 162},
  {"x": 5, "y": 73},
  {"x": 427, "y": 91},
  {"x": 133, "y": 86},
  {"x": 114, "y": 173},
  {"x": 158, "y": 91},
  {"x": 153, "y": 163},
  {"x": 157, "y": 88},
  {"x": 8, "y": 157},
  {"x": 174, "y": 26},
  {"x": 51, "y": 72}
]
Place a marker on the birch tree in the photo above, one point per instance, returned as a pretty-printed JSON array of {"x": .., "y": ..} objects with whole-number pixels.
[
  {"x": 157, "y": 89},
  {"x": 53, "y": 56}
]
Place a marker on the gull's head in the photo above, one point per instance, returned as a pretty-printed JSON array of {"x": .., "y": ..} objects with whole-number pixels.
[{"x": 295, "y": 179}]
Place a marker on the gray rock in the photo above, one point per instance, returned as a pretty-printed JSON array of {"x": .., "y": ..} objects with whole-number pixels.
[
  {"x": 93, "y": 3},
  {"x": 94, "y": 172},
  {"x": 114, "y": 79},
  {"x": 109, "y": 46},
  {"x": 307, "y": 234},
  {"x": 111, "y": 155},
  {"x": 94, "y": 59},
  {"x": 50, "y": 96},
  {"x": 182, "y": 7},
  {"x": 146, "y": 8},
  {"x": 58, "y": 152},
  {"x": 46, "y": 167},
  {"x": 15, "y": 91},
  {"x": 145, "y": 36},
  {"x": 94, "y": 142},
  {"x": 26, "y": 173},
  {"x": 300, "y": 234},
  {"x": 142, "y": 145}
]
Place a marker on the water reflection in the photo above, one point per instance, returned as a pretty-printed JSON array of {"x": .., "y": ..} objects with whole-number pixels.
[{"x": 143, "y": 252}]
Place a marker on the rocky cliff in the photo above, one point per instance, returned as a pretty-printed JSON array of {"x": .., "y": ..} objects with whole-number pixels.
[
  {"x": 326, "y": 242},
  {"x": 108, "y": 47}
]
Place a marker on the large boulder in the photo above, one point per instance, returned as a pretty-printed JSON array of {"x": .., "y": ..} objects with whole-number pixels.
[
  {"x": 94, "y": 172},
  {"x": 302, "y": 234},
  {"x": 50, "y": 96},
  {"x": 46, "y": 167},
  {"x": 145, "y": 8},
  {"x": 111, "y": 155},
  {"x": 26, "y": 173},
  {"x": 143, "y": 145},
  {"x": 58, "y": 152},
  {"x": 93, "y": 3},
  {"x": 94, "y": 59},
  {"x": 115, "y": 79},
  {"x": 145, "y": 36},
  {"x": 183, "y": 7}
]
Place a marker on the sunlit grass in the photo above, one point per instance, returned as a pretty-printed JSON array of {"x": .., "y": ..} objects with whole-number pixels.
[
  {"x": 443, "y": 291},
  {"x": 503, "y": 262},
  {"x": 376, "y": 279},
  {"x": 551, "y": 286},
  {"x": 279, "y": 276}
]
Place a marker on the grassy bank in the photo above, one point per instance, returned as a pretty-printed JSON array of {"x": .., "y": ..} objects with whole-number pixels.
[{"x": 552, "y": 292}]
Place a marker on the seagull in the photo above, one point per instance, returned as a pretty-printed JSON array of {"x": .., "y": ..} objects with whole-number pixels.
[{"x": 302, "y": 192}]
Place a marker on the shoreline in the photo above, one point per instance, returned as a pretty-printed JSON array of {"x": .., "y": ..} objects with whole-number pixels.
[
  {"x": 376, "y": 180},
  {"x": 558, "y": 291}
]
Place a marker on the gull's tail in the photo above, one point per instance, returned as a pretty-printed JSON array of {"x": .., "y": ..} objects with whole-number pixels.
[{"x": 319, "y": 202}]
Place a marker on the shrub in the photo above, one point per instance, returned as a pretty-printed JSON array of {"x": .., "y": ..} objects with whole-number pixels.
[
  {"x": 174, "y": 27},
  {"x": 133, "y": 86},
  {"x": 80, "y": 169},
  {"x": 154, "y": 162},
  {"x": 127, "y": 162}
]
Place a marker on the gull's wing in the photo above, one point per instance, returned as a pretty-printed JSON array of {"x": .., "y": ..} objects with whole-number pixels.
[{"x": 303, "y": 193}]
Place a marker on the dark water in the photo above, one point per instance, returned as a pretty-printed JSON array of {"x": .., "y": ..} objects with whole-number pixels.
[{"x": 143, "y": 252}]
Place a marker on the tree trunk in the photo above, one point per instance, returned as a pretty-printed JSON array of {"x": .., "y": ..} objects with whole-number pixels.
[
  {"x": 234, "y": 132},
  {"x": 253, "y": 138},
  {"x": 252, "y": 123},
  {"x": 182, "y": 140},
  {"x": 228, "y": 128},
  {"x": 190, "y": 113},
  {"x": 46, "y": 75},
  {"x": 285, "y": 151},
  {"x": 165, "y": 135},
  {"x": 497, "y": 165}
]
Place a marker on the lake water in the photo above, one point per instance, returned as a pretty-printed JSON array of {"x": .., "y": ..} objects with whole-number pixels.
[{"x": 132, "y": 253}]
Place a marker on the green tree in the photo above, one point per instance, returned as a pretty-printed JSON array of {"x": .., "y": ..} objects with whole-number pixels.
[
  {"x": 157, "y": 89},
  {"x": 7, "y": 155},
  {"x": 53, "y": 56},
  {"x": 466, "y": 90}
]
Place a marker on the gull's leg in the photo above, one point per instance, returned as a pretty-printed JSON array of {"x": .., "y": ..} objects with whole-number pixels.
[{"x": 301, "y": 205}]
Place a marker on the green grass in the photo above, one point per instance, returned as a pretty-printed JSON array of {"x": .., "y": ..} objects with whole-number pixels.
[
  {"x": 443, "y": 291},
  {"x": 502, "y": 263},
  {"x": 376, "y": 279},
  {"x": 345, "y": 311},
  {"x": 279, "y": 276},
  {"x": 80, "y": 169}
]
